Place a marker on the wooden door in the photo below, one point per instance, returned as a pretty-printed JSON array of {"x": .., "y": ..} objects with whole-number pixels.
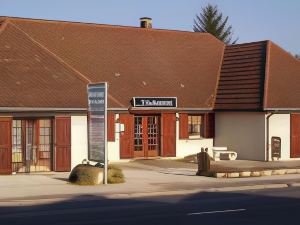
[
  {"x": 62, "y": 144},
  {"x": 140, "y": 135},
  {"x": 152, "y": 137},
  {"x": 168, "y": 128},
  {"x": 126, "y": 136},
  {"x": 5, "y": 146},
  {"x": 295, "y": 135}
]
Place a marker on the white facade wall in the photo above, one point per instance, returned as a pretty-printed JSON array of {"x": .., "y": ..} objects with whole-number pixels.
[
  {"x": 243, "y": 132},
  {"x": 79, "y": 140},
  {"x": 279, "y": 126},
  {"x": 191, "y": 146},
  {"x": 114, "y": 146}
]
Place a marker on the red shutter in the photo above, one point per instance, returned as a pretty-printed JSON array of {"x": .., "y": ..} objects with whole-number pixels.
[
  {"x": 295, "y": 135},
  {"x": 209, "y": 125},
  {"x": 168, "y": 122},
  {"x": 183, "y": 126},
  {"x": 62, "y": 144},
  {"x": 110, "y": 126},
  {"x": 126, "y": 137},
  {"x": 5, "y": 145}
]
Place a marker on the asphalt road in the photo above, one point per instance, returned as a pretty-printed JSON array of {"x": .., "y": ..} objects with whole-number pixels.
[{"x": 269, "y": 206}]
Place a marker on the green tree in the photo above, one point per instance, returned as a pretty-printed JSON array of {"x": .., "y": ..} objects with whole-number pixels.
[{"x": 212, "y": 21}]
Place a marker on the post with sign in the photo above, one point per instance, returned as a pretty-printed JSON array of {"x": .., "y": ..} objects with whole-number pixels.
[{"x": 97, "y": 125}]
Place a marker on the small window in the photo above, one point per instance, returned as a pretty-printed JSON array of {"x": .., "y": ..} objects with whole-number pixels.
[{"x": 195, "y": 126}]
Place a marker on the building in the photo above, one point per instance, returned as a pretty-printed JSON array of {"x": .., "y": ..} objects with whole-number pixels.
[{"x": 171, "y": 93}]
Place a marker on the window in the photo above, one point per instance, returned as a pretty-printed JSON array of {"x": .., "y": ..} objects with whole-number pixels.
[
  {"x": 45, "y": 135},
  {"x": 195, "y": 126}
]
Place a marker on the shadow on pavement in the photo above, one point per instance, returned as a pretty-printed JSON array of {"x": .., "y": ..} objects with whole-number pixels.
[{"x": 280, "y": 206}]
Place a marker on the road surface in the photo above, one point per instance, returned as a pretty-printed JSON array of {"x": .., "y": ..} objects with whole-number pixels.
[{"x": 269, "y": 206}]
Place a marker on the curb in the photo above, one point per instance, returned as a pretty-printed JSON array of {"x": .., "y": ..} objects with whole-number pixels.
[{"x": 259, "y": 173}]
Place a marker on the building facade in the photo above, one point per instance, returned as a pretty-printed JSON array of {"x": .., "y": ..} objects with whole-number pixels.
[{"x": 170, "y": 94}]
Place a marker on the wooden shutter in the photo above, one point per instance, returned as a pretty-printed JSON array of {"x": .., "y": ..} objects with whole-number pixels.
[
  {"x": 168, "y": 123},
  {"x": 110, "y": 126},
  {"x": 5, "y": 145},
  {"x": 295, "y": 135},
  {"x": 126, "y": 137},
  {"x": 183, "y": 126},
  {"x": 209, "y": 125},
  {"x": 62, "y": 144}
]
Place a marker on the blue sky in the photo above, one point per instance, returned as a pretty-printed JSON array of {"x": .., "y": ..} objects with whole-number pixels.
[{"x": 252, "y": 20}]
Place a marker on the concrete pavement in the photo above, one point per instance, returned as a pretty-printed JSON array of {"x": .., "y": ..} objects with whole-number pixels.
[{"x": 141, "y": 180}]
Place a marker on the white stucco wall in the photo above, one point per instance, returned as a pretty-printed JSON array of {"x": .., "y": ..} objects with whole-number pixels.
[
  {"x": 79, "y": 141},
  {"x": 114, "y": 146},
  {"x": 190, "y": 146},
  {"x": 279, "y": 126},
  {"x": 243, "y": 132}
]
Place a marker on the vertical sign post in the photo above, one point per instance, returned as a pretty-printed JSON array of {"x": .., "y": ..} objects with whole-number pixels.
[{"x": 97, "y": 124}]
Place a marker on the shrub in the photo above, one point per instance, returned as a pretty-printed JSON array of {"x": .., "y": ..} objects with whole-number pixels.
[
  {"x": 115, "y": 175},
  {"x": 84, "y": 174}
]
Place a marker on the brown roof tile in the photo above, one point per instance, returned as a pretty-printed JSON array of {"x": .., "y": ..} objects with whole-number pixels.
[
  {"x": 283, "y": 79},
  {"x": 241, "y": 81},
  {"x": 135, "y": 61},
  {"x": 30, "y": 77}
]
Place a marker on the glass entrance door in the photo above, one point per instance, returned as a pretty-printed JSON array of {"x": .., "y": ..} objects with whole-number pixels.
[
  {"x": 32, "y": 145},
  {"x": 146, "y": 136}
]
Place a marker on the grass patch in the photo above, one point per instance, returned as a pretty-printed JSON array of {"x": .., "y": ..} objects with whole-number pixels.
[{"x": 115, "y": 175}]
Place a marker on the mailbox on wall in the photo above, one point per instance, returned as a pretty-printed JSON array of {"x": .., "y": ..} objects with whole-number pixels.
[{"x": 276, "y": 147}]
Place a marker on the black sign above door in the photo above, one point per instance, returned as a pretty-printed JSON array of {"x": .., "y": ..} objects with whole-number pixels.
[{"x": 157, "y": 102}]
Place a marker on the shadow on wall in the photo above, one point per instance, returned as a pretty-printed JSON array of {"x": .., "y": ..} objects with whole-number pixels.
[{"x": 88, "y": 209}]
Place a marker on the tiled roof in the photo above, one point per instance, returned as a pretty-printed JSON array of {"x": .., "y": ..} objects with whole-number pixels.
[
  {"x": 241, "y": 84},
  {"x": 283, "y": 80},
  {"x": 31, "y": 77},
  {"x": 134, "y": 61},
  {"x": 47, "y": 64}
]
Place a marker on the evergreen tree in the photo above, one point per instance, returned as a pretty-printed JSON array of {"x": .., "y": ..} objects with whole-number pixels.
[{"x": 212, "y": 21}]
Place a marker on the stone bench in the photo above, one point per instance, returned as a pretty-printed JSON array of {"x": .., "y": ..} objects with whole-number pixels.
[{"x": 223, "y": 151}]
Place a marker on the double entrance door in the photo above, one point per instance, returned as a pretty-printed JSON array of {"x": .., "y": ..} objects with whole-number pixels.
[
  {"x": 32, "y": 145},
  {"x": 146, "y": 136}
]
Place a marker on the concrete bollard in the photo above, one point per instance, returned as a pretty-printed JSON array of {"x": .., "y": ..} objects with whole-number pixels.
[{"x": 203, "y": 160}]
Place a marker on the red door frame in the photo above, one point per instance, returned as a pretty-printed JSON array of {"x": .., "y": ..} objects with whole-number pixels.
[
  {"x": 295, "y": 136},
  {"x": 5, "y": 145}
]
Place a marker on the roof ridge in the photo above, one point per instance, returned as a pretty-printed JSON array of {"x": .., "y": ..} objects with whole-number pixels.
[
  {"x": 218, "y": 77},
  {"x": 61, "y": 61},
  {"x": 103, "y": 25}
]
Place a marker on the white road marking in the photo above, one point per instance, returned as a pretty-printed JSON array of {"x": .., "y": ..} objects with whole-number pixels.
[{"x": 211, "y": 212}]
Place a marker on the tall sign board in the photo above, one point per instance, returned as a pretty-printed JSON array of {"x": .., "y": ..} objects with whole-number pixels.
[{"x": 97, "y": 124}]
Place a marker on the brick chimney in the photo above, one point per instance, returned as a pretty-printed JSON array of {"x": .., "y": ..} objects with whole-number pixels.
[{"x": 146, "y": 22}]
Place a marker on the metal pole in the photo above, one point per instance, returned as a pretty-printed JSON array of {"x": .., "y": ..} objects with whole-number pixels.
[{"x": 105, "y": 139}]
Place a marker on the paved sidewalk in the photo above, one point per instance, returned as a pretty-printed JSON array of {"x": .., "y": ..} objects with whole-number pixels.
[{"x": 141, "y": 180}]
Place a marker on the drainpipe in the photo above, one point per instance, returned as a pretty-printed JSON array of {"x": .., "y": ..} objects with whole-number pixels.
[{"x": 267, "y": 147}]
